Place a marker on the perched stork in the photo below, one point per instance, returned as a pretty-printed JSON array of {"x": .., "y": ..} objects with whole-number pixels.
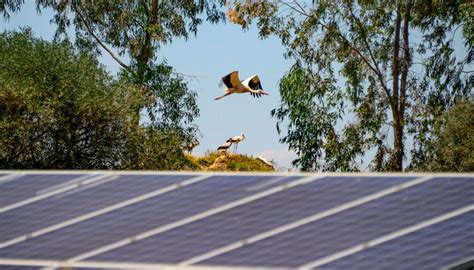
[
  {"x": 264, "y": 160},
  {"x": 236, "y": 139},
  {"x": 250, "y": 85},
  {"x": 224, "y": 147},
  {"x": 189, "y": 147}
]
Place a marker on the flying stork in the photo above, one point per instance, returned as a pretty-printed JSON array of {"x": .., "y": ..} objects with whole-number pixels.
[
  {"x": 225, "y": 146},
  {"x": 236, "y": 139},
  {"x": 250, "y": 85}
]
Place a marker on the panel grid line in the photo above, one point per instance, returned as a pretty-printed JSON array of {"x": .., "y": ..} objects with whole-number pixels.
[
  {"x": 103, "y": 210},
  {"x": 67, "y": 183},
  {"x": 301, "y": 222},
  {"x": 192, "y": 218},
  {"x": 387, "y": 237},
  {"x": 57, "y": 191},
  {"x": 10, "y": 177},
  {"x": 118, "y": 265}
]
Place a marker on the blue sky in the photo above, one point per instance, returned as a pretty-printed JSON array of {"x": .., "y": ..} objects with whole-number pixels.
[{"x": 214, "y": 52}]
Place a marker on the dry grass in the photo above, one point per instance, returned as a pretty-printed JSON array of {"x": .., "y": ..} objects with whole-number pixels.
[{"x": 215, "y": 161}]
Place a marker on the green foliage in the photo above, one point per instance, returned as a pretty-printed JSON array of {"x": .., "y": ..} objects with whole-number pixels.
[
  {"x": 172, "y": 104},
  {"x": 355, "y": 83},
  {"x": 150, "y": 148},
  {"x": 452, "y": 146},
  {"x": 137, "y": 29},
  {"x": 60, "y": 110}
]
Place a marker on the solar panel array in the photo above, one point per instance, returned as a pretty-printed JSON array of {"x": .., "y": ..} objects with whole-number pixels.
[{"x": 99, "y": 220}]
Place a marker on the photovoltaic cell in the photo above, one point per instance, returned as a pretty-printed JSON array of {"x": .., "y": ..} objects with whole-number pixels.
[
  {"x": 19, "y": 267},
  {"x": 85, "y": 199},
  {"x": 22, "y": 267},
  {"x": 27, "y": 186},
  {"x": 247, "y": 220},
  {"x": 354, "y": 226},
  {"x": 137, "y": 218},
  {"x": 433, "y": 247}
]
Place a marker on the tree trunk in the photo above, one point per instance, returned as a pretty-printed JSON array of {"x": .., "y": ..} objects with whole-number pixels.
[
  {"x": 396, "y": 159},
  {"x": 396, "y": 163},
  {"x": 399, "y": 100}
]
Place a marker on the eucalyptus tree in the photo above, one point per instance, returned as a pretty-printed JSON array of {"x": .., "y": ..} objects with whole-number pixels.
[
  {"x": 367, "y": 75},
  {"x": 131, "y": 32}
]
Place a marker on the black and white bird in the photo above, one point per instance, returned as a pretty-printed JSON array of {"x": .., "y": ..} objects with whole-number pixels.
[
  {"x": 224, "y": 147},
  {"x": 264, "y": 160},
  {"x": 236, "y": 140},
  {"x": 189, "y": 147},
  {"x": 233, "y": 85}
]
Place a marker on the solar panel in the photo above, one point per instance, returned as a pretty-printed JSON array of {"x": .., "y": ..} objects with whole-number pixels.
[
  {"x": 18, "y": 187},
  {"x": 145, "y": 215},
  {"x": 228, "y": 221},
  {"x": 16, "y": 267},
  {"x": 255, "y": 217},
  {"x": 431, "y": 247},
  {"x": 357, "y": 225},
  {"x": 78, "y": 201}
]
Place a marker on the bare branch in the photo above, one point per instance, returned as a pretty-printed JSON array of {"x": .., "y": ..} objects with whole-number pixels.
[
  {"x": 406, "y": 56},
  {"x": 301, "y": 11},
  {"x": 372, "y": 57},
  {"x": 97, "y": 39}
]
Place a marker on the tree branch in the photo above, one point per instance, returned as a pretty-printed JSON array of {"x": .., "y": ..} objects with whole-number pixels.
[
  {"x": 91, "y": 32},
  {"x": 376, "y": 67},
  {"x": 396, "y": 62},
  {"x": 301, "y": 11},
  {"x": 406, "y": 57}
]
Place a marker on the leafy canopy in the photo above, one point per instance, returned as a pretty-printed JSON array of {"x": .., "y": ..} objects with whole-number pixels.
[
  {"x": 59, "y": 109},
  {"x": 367, "y": 75},
  {"x": 132, "y": 32},
  {"x": 452, "y": 145}
]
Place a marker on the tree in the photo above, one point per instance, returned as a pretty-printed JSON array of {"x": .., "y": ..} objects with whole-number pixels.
[
  {"x": 364, "y": 72},
  {"x": 60, "y": 109},
  {"x": 137, "y": 29},
  {"x": 452, "y": 146}
]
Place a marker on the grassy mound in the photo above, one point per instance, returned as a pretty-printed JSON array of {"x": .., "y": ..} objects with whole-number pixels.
[{"x": 215, "y": 161}]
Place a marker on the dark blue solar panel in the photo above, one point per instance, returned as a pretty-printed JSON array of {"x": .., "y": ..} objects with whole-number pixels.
[
  {"x": 19, "y": 267},
  {"x": 264, "y": 214},
  {"x": 354, "y": 226},
  {"x": 83, "y": 200},
  {"x": 22, "y": 267},
  {"x": 434, "y": 247},
  {"x": 27, "y": 186},
  {"x": 166, "y": 208}
]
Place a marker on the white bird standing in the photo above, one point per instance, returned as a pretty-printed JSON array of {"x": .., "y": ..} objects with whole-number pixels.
[
  {"x": 225, "y": 146},
  {"x": 250, "y": 85},
  {"x": 189, "y": 147},
  {"x": 236, "y": 140}
]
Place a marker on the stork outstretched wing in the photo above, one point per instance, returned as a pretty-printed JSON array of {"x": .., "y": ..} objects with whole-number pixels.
[
  {"x": 231, "y": 80},
  {"x": 254, "y": 83}
]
